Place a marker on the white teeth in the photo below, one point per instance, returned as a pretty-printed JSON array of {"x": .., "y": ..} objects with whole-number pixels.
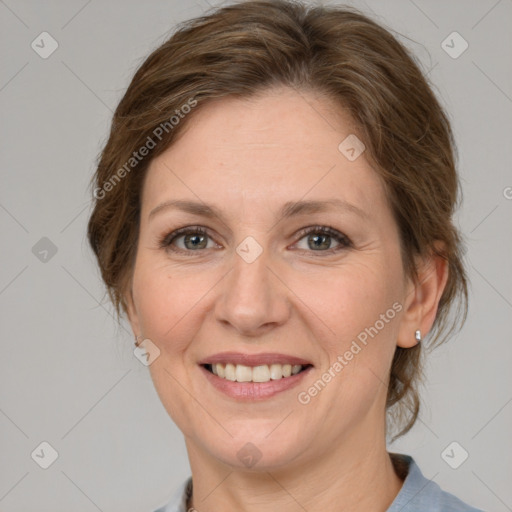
[
  {"x": 230, "y": 372},
  {"x": 276, "y": 371},
  {"x": 243, "y": 373},
  {"x": 262, "y": 373}
]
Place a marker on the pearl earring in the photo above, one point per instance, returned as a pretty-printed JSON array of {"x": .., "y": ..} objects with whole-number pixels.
[{"x": 417, "y": 335}]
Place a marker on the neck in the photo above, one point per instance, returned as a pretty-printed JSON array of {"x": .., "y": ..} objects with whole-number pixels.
[{"x": 357, "y": 475}]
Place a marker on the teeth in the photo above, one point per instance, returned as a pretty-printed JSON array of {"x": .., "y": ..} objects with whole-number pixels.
[
  {"x": 243, "y": 373},
  {"x": 276, "y": 371},
  {"x": 262, "y": 373},
  {"x": 230, "y": 372},
  {"x": 296, "y": 368}
]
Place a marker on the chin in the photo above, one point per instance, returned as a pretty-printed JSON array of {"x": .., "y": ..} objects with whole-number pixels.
[{"x": 255, "y": 447}]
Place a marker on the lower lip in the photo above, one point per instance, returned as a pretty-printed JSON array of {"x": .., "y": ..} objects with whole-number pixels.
[{"x": 251, "y": 391}]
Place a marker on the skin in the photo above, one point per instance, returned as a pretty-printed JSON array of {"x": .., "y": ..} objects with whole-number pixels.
[{"x": 247, "y": 158}]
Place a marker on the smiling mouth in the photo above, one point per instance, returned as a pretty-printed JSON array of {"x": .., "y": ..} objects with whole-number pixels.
[{"x": 260, "y": 373}]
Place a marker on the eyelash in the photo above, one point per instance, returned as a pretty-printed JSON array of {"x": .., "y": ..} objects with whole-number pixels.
[{"x": 166, "y": 241}]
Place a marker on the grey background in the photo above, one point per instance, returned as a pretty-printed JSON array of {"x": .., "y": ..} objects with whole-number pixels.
[{"x": 68, "y": 374}]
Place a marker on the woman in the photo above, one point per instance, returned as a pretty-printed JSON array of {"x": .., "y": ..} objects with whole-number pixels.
[{"x": 273, "y": 212}]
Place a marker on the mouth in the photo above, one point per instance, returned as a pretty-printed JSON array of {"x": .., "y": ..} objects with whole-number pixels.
[
  {"x": 261, "y": 373},
  {"x": 254, "y": 377}
]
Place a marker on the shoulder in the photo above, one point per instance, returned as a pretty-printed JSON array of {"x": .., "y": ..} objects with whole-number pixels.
[{"x": 420, "y": 494}]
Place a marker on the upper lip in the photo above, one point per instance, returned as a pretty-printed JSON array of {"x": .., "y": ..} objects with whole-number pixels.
[{"x": 253, "y": 359}]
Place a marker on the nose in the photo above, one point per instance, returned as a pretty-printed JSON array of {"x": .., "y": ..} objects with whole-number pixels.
[{"x": 252, "y": 299}]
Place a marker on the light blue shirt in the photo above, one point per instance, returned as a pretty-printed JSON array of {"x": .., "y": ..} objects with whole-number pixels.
[{"x": 418, "y": 494}]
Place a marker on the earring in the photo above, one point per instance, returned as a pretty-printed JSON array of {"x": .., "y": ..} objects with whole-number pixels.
[
  {"x": 137, "y": 342},
  {"x": 417, "y": 335}
]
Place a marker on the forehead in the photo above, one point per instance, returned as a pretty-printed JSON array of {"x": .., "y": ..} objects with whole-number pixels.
[{"x": 266, "y": 150}]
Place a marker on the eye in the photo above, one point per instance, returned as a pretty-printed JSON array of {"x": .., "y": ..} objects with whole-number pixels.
[
  {"x": 320, "y": 237},
  {"x": 194, "y": 238}
]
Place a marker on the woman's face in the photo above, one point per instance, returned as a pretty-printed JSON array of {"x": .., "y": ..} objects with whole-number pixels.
[{"x": 263, "y": 281}]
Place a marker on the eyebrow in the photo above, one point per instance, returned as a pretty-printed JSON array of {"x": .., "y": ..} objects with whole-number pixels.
[{"x": 289, "y": 209}]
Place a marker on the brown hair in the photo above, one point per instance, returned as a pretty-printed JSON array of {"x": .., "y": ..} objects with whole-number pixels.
[{"x": 245, "y": 48}]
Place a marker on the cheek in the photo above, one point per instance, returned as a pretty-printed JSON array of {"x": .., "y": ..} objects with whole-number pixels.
[
  {"x": 167, "y": 303},
  {"x": 358, "y": 303},
  {"x": 362, "y": 309}
]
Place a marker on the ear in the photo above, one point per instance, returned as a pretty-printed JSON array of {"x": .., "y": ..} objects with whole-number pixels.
[
  {"x": 422, "y": 298},
  {"x": 131, "y": 312}
]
